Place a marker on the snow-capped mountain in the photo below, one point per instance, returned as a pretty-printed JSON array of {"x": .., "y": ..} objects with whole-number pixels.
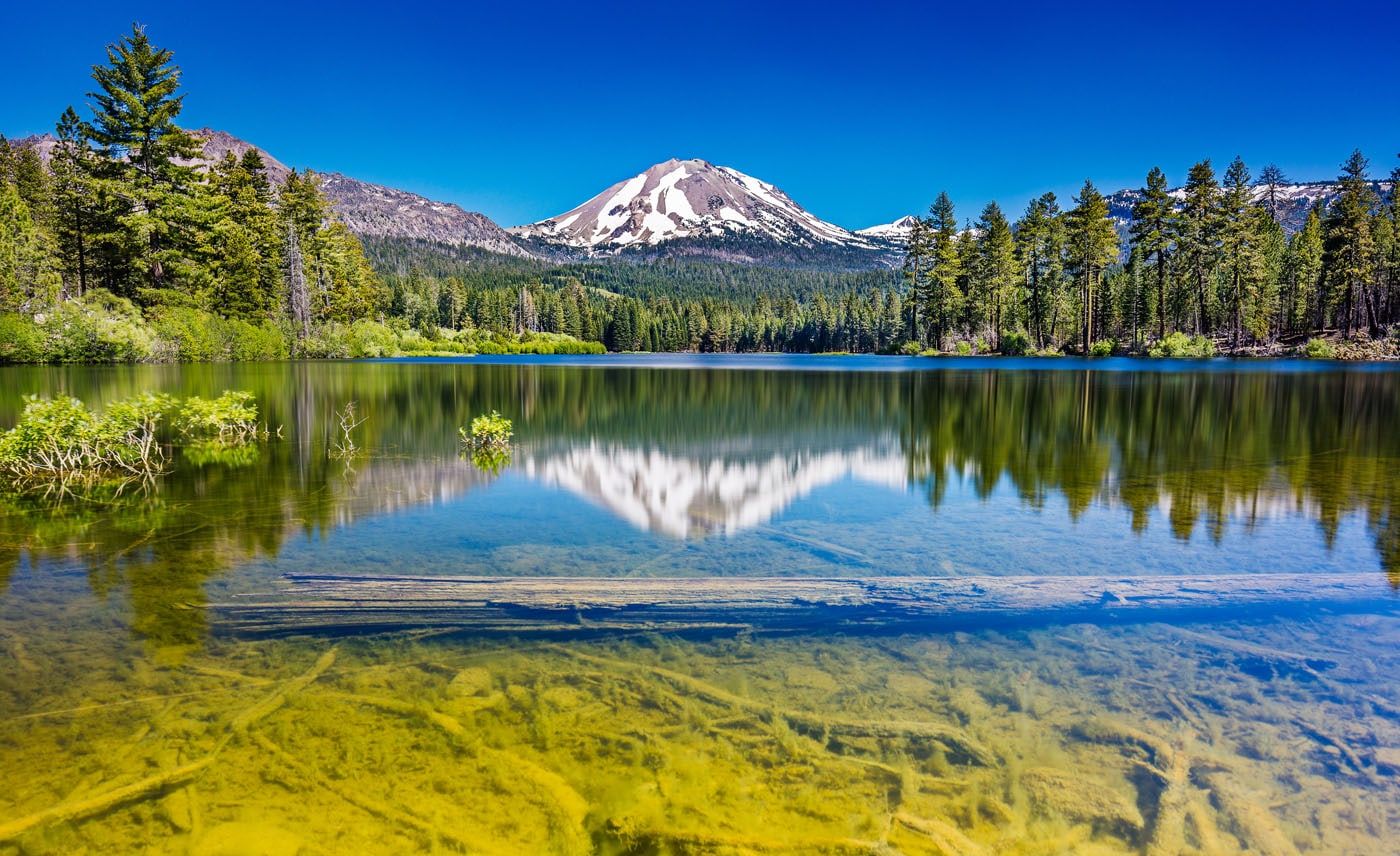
[
  {"x": 896, "y": 231},
  {"x": 693, "y": 207}
]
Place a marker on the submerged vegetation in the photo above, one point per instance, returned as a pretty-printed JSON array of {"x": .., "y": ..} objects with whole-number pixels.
[{"x": 1042, "y": 741}]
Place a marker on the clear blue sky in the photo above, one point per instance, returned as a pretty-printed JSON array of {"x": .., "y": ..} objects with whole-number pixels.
[{"x": 861, "y": 111}]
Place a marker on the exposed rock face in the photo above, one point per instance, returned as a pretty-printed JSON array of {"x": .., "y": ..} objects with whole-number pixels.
[{"x": 693, "y": 207}]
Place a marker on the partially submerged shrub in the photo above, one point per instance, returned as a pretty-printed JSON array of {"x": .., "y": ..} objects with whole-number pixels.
[
  {"x": 1320, "y": 349},
  {"x": 232, "y": 418},
  {"x": 59, "y": 439},
  {"x": 488, "y": 430},
  {"x": 1182, "y": 345},
  {"x": 487, "y": 441}
]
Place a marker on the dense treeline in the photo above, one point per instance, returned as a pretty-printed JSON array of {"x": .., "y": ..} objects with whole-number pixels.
[
  {"x": 866, "y": 321},
  {"x": 1212, "y": 261}
]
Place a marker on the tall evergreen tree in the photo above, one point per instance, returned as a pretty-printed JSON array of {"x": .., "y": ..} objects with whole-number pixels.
[
  {"x": 1154, "y": 217},
  {"x": 1091, "y": 245},
  {"x": 1040, "y": 248},
  {"x": 1271, "y": 182},
  {"x": 134, "y": 111},
  {"x": 1350, "y": 248},
  {"x": 996, "y": 266},
  {"x": 1304, "y": 294},
  {"x": 1198, "y": 238},
  {"x": 942, "y": 298}
]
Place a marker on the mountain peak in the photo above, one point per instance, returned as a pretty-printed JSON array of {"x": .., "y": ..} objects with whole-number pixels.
[
  {"x": 695, "y": 202},
  {"x": 898, "y": 230}
]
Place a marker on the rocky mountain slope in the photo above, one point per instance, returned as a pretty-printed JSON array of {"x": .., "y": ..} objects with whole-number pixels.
[
  {"x": 371, "y": 210},
  {"x": 693, "y": 207}
]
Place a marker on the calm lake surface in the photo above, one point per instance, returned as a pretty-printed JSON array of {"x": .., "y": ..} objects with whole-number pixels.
[{"x": 1268, "y": 730}]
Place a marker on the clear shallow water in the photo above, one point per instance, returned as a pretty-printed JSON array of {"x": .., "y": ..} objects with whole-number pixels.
[{"x": 679, "y": 466}]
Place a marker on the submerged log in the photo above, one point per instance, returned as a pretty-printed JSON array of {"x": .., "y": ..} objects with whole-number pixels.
[{"x": 331, "y": 603}]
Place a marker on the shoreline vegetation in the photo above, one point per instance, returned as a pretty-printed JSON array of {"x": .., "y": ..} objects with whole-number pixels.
[{"x": 121, "y": 242}]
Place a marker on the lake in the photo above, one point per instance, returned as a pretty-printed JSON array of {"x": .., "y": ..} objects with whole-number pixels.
[{"x": 203, "y": 644}]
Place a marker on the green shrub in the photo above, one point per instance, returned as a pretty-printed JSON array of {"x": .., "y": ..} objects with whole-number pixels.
[
  {"x": 98, "y": 328},
  {"x": 21, "y": 340},
  {"x": 1015, "y": 344},
  {"x": 963, "y": 349},
  {"x": 1103, "y": 348},
  {"x": 1181, "y": 345},
  {"x": 187, "y": 335},
  {"x": 1320, "y": 349},
  {"x": 909, "y": 349}
]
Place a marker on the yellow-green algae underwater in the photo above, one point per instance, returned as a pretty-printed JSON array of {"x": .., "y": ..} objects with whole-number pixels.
[{"x": 132, "y": 722}]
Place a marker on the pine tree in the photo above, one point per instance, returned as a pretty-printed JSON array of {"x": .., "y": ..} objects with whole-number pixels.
[
  {"x": 1305, "y": 301},
  {"x": 996, "y": 266},
  {"x": 1350, "y": 248},
  {"x": 916, "y": 266},
  {"x": 1091, "y": 245},
  {"x": 134, "y": 111},
  {"x": 1040, "y": 248},
  {"x": 1154, "y": 222},
  {"x": 75, "y": 198},
  {"x": 1271, "y": 182},
  {"x": 1241, "y": 245},
  {"x": 1198, "y": 237},
  {"x": 27, "y": 272},
  {"x": 942, "y": 298}
]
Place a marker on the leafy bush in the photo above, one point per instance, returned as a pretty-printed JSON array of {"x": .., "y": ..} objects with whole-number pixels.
[
  {"x": 193, "y": 335},
  {"x": 1102, "y": 348},
  {"x": 21, "y": 340},
  {"x": 963, "y": 349},
  {"x": 1320, "y": 349},
  {"x": 98, "y": 328},
  {"x": 1181, "y": 345},
  {"x": 909, "y": 349},
  {"x": 1015, "y": 344}
]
